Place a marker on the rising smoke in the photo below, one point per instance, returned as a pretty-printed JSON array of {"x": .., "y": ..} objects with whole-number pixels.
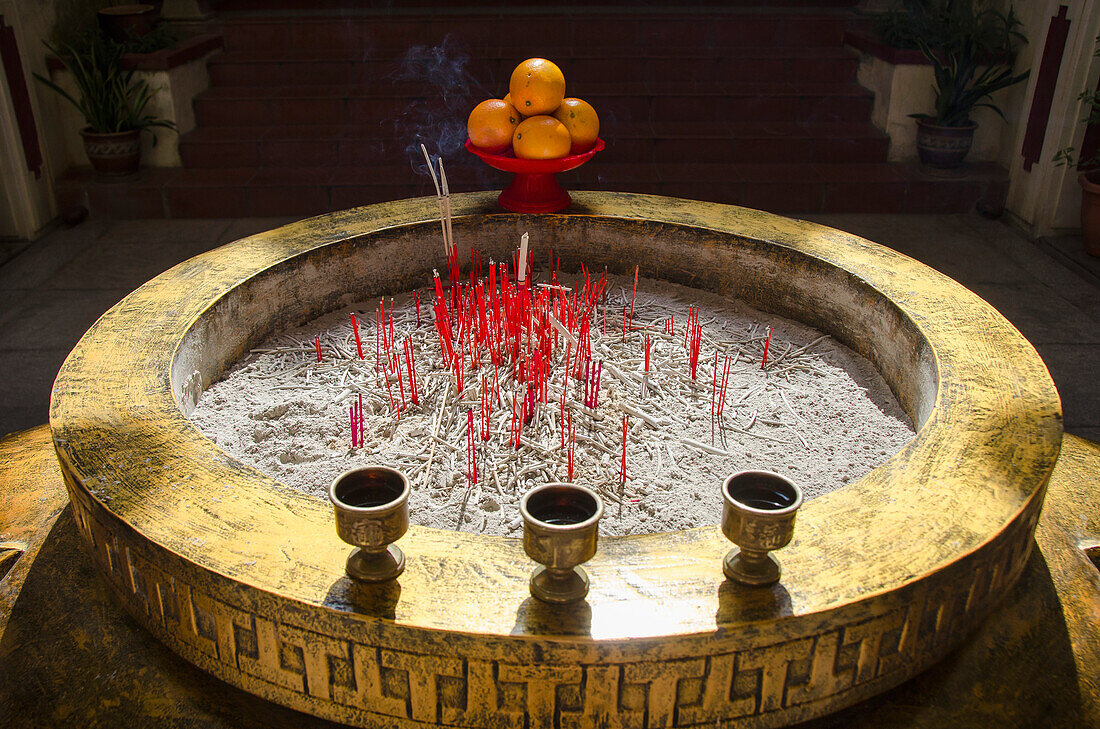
[{"x": 437, "y": 118}]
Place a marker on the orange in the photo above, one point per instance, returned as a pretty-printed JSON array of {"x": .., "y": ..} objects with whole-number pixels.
[
  {"x": 581, "y": 120},
  {"x": 508, "y": 98},
  {"x": 492, "y": 124},
  {"x": 541, "y": 137},
  {"x": 537, "y": 87}
]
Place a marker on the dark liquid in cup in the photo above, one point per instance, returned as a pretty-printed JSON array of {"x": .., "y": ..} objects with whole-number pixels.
[
  {"x": 363, "y": 491},
  {"x": 562, "y": 514},
  {"x": 764, "y": 503},
  {"x": 763, "y": 495}
]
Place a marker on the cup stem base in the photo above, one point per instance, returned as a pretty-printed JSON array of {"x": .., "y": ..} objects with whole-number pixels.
[
  {"x": 559, "y": 587},
  {"x": 376, "y": 566},
  {"x": 758, "y": 570}
]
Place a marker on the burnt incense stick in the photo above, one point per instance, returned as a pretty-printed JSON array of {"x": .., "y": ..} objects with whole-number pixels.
[
  {"x": 521, "y": 267},
  {"x": 438, "y": 197},
  {"x": 447, "y": 209}
]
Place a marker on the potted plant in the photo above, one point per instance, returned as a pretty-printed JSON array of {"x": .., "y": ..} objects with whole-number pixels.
[
  {"x": 112, "y": 103},
  {"x": 970, "y": 46},
  {"x": 1088, "y": 174}
]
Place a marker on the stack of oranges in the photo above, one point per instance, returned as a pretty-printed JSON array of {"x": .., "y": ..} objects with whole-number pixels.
[{"x": 534, "y": 118}]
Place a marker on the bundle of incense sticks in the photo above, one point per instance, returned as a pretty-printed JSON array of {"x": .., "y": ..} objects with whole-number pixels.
[
  {"x": 357, "y": 428},
  {"x": 411, "y": 364},
  {"x": 443, "y": 195},
  {"x": 696, "y": 341}
]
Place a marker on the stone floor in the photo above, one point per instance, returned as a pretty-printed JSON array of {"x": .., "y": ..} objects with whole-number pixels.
[{"x": 53, "y": 289}]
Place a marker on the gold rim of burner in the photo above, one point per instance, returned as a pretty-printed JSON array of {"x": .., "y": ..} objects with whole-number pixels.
[{"x": 232, "y": 569}]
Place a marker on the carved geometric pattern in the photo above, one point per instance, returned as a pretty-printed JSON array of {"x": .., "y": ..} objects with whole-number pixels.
[{"x": 341, "y": 678}]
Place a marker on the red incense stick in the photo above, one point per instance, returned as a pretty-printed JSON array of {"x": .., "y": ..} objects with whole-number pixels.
[
  {"x": 411, "y": 365},
  {"x": 696, "y": 339},
  {"x": 725, "y": 379},
  {"x": 714, "y": 387},
  {"x": 471, "y": 449},
  {"x": 400, "y": 381},
  {"x": 486, "y": 408},
  {"x": 358, "y": 341},
  {"x": 317, "y": 343},
  {"x": 767, "y": 343},
  {"x": 515, "y": 423},
  {"x": 354, "y": 427}
]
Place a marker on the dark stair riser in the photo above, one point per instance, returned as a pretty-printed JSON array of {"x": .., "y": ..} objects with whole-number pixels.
[
  {"x": 371, "y": 35},
  {"x": 493, "y": 74},
  {"x": 210, "y": 112}
]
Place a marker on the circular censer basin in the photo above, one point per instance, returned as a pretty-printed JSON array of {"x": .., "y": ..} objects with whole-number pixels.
[{"x": 245, "y": 578}]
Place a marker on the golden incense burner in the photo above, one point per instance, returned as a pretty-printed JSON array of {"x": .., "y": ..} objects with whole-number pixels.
[{"x": 244, "y": 578}]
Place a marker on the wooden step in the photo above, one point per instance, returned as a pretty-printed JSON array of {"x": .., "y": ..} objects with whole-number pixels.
[
  {"x": 788, "y": 64},
  {"x": 583, "y": 30},
  {"x": 619, "y": 102}
]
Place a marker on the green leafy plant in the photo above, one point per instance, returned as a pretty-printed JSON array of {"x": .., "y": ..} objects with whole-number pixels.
[
  {"x": 159, "y": 38},
  {"x": 1068, "y": 155},
  {"x": 970, "y": 45},
  {"x": 110, "y": 98}
]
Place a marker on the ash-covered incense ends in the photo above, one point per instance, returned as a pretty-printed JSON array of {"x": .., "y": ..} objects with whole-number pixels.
[
  {"x": 372, "y": 512},
  {"x": 758, "y": 510},
  {"x": 521, "y": 267},
  {"x": 560, "y": 526}
]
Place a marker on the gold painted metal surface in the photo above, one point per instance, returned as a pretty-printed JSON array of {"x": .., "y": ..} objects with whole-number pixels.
[
  {"x": 245, "y": 579},
  {"x": 27, "y": 511},
  {"x": 63, "y": 625}
]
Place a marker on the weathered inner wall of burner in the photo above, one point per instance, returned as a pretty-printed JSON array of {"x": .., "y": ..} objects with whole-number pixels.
[{"x": 765, "y": 274}]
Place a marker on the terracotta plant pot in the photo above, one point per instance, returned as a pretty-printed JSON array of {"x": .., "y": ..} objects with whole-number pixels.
[
  {"x": 943, "y": 148},
  {"x": 121, "y": 21},
  {"x": 114, "y": 154},
  {"x": 1090, "y": 211}
]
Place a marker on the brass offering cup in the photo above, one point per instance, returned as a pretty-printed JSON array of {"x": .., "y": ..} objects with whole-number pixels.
[
  {"x": 560, "y": 526},
  {"x": 758, "y": 509},
  {"x": 372, "y": 512}
]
